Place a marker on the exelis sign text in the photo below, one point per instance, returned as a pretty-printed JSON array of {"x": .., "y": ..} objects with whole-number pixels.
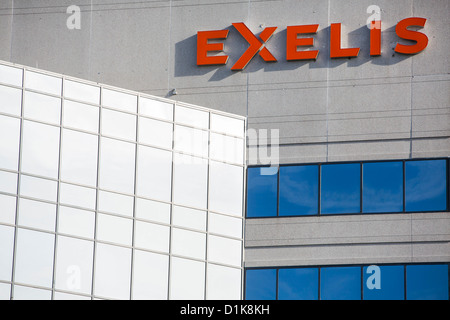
[{"x": 296, "y": 39}]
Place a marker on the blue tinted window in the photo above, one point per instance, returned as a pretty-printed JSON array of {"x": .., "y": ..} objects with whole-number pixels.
[
  {"x": 298, "y": 284},
  {"x": 340, "y": 283},
  {"x": 383, "y": 187},
  {"x": 384, "y": 283},
  {"x": 260, "y": 284},
  {"x": 427, "y": 282},
  {"x": 299, "y": 190},
  {"x": 340, "y": 188},
  {"x": 425, "y": 185},
  {"x": 262, "y": 192}
]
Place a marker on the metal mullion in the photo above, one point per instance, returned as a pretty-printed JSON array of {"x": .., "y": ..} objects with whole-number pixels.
[
  {"x": 208, "y": 174},
  {"x": 58, "y": 185},
  {"x": 169, "y": 273},
  {"x": 19, "y": 168}
]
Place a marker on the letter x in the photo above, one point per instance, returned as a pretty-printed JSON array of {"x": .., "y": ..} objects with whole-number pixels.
[{"x": 255, "y": 45}]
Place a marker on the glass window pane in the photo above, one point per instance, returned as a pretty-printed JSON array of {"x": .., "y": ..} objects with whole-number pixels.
[
  {"x": 11, "y": 99},
  {"x": 11, "y": 75},
  {"x": 112, "y": 272},
  {"x": 155, "y": 133},
  {"x": 76, "y": 222},
  {"x": 225, "y": 225},
  {"x": 6, "y": 252},
  {"x": 192, "y": 117},
  {"x": 38, "y": 188},
  {"x": 188, "y": 243},
  {"x": 119, "y": 100},
  {"x": 114, "y": 229},
  {"x": 151, "y": 236},
  {"x": 226, "y": 188},
  {"x": 40, "y": 151},
  {"x": 224, "y": 250},
  {"x": 5, "y": 291},
  {"x": 340, "y": 188},
  {"x": 155, "y": 172},
  {"x": 156, "y": 109},
  {"x": 187, "y": 279},
  {"x": 67, "y": 296},
  {"x": 81, "y": 91},
  {"x": 36, "y": 214},
  {"x": 383, "y": 187},
  {"x": 223, "y": 283},
  {"x": 74, "y": 264},
  {"x": 262, "y": 192},
  {"x": 227, "y": 149},
  {"x": 150, "y": 276},
  {"x": 79, "y": 157},
  {"x": 260, "y": 284},
  {"x": 34, "y": 258},
  {"x": 152, "y": 210},
  {"x": 425, "y": 185},
  {"x": 190, "y": 140},
  {"x": 427, "y": 282},
  {"x": 8, "y": 182},
  {"x": 299, "y": 190},
  {"x": 388, "y": 284},
  {"x": 9, "y": 148},
  {"x": 115, "y": 203},
  {"x": 340, "y": 283},
  {"x": 28, "y": 293},
  {"x": 189, "y": 218},
  {"x": 118, "y": 124},
  {"x": 8, "y": 209},
  {"x": 117, "y": 165},
  {"x": 227, "y": 125},
  {"x": 298, "y": 284},
  {"x": 190, "y": 181},
  {"x": 43, "y": 82},
  {"x": 80, "y": 116},
  {"x": 77, "y": 196},
  {"x": 42, "y": 107}
]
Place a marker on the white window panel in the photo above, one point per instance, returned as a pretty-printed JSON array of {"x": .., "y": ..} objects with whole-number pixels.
[
  {"x": 119, "y": 100},
  {"x": 79, "y": 157},
  {"x": 38, "y": 188},
  {"x": 226, "y": 185},
  {"x": 74, "y": 265},
  {"x": 34, "y": 258},
  {"x": 190, "y": 181},
  {"x": 81, "y": 91},
  {"x": 6, "y": 252},
  {"x": 11, "y": 75},
  {"x": 112, "y": 272},
  {"x": 227, "y": 125},
  {"x": 36, "y": 214},
  {"x": 77, "y": 196},
  {"x": 8, "y": 182},
  {"x": 225, "y": 225},
  {"x": 223, "y": 283},
  {"x": 187, "y": 279},
  {"x": 226, "y": 148},
  {"x": 80, "y": 116},
  {"x": 151, "y": 236},
  {"x": 42, "y": 82},
  {"x": 156, "y": 109},
  {"x": 118, "y": 124},
  {"x": 115, "y": 203},
  {"x": 152, "y": 210},
  {"x": 154, "y": 173},
  {"x": 29, "y": 293},
  {"x": 192, "y": 117},
  {"x": 189, "y": 218},
  {"x": 42, "y": 107},
  {"x": 40, "y": 150},
  {"x": 8, "y": 209},
  {"x": 155, "y": 133},
  {"x": 188, "y": 243},
  {"x": 191, "y": 141},
  {"x": 150, "y": 276},
  {"x": 9, "y": 148},
  {"x": 76, "y": 222},
  {"x": 114, "y": 229},
  {"x": 11, "y": 100},
  {"x": 224, "y": 250}
]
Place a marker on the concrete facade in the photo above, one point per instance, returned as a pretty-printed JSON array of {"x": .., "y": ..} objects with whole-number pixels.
[{"x": 366, "y": 108}]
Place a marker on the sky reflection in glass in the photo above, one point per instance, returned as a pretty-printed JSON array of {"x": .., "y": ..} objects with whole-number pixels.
[{"x": 262, "y": 192}]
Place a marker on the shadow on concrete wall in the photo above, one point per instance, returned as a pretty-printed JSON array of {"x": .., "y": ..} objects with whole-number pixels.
[{"x": 235, "y": 45}]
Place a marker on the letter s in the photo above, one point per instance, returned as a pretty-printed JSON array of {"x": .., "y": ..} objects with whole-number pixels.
[{"x": 404, "y": 33}]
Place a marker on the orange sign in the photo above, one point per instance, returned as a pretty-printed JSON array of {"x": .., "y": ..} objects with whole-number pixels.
[{"x": 293, "y": 43}]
